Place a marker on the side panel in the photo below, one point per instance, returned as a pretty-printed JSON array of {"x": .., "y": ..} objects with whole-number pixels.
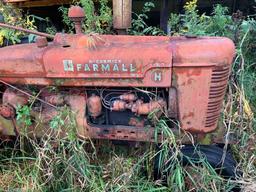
[
  {"x": 201, "y": 68},
  {"x": 20, "y": 61},
  {"x": 137, "y": 64},
  {"x": 192, "y": 85}
]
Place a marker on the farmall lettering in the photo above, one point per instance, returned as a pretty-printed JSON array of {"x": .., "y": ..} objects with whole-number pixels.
[{"x": 99, "y": 66}]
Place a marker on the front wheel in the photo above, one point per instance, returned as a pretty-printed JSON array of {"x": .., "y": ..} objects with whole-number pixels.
[
  {"x": 223, "y": 162},
  {"x": 193, "y": 162}
]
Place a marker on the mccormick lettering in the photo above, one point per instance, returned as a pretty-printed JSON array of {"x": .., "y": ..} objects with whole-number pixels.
[{"x": 99, "y": 66}]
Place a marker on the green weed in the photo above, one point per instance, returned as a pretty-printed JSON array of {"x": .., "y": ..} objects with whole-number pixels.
[
  {"x": 139, "y": 25},
  {"x": 13, "y": 16}
]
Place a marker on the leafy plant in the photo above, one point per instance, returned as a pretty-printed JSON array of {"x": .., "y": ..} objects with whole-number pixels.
[
  {"x": 192, "y": 23},
  {"x": 13, "y": 16},
  {"x": 139, "y": 25},
  {"x": 99, "y": 21},
  {"x": 65, "y": 121},
  {"x": 49, "y": 26},
  {"x": 65, "y": 19},
  {"x": 96, "y": 20},
  {"x": 24, "y": 115}
]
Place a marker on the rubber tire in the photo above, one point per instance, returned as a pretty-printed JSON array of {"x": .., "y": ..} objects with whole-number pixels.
[{"x": 212, "y": 153}]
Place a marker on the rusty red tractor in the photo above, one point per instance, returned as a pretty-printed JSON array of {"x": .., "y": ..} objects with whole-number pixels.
[{"x": 115, "y": 82}]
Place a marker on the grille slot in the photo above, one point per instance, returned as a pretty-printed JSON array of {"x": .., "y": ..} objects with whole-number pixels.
[{"x": 218, "y": 86}]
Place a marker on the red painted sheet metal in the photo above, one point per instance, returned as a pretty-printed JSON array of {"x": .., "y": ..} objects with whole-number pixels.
[
  {"x": 110, "y": 58},
  {"x": 142, "y": 62},
  {"x": 21, "y": 61},
  {"x": 198, "y": 68},
  {"x": 202, "y": 51},
  {"x": 106, "y": 61}
]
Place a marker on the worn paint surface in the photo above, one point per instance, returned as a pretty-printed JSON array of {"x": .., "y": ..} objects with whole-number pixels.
[
  {"x": 197, "y": 68},
  {"x": 132, "y": 62}
]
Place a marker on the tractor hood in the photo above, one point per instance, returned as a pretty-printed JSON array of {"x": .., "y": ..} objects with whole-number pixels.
[{"x": 144, "y": 59}]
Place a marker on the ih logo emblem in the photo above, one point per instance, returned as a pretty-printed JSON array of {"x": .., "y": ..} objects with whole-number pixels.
[{"x": 157, "y": 76}]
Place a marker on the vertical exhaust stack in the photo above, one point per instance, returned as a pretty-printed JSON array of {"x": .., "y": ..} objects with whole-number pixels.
[{"x": 122, "y": 15}]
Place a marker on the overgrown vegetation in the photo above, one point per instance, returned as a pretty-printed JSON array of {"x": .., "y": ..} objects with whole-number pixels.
[
  {"x": 96, "y": 20},
  {"x": 13, "y": 16},
  {"x": 139, "y": 25},
  {"x": 100, "y": 20},
  {"x": 67, "y": 163}
]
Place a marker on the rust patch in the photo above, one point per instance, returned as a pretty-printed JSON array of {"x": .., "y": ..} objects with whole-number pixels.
[
  {"x": 185, "y": 116},
  {"x": 136, "y": 122},
  {"x": 190, "y": 81},
  {"x": 189, "y": 71}
]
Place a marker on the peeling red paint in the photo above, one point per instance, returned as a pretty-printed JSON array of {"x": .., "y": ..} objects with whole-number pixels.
[{"x": 197, "y": 68}]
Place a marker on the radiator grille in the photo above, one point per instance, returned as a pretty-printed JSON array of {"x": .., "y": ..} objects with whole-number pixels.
[{"x": 219, "y": 80}]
